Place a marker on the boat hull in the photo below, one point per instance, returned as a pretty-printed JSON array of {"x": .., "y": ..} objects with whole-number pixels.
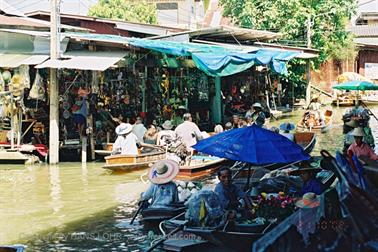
[
  {"x": 132, "y": 162},
  {"x": 196, "y": 171}
]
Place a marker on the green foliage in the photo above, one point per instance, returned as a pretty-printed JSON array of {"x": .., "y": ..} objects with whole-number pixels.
[
  {"x": 133, "y": 11},
  {"x": 290, "y": 17}
]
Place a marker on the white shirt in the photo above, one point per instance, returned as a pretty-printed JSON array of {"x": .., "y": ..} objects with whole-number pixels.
[
  {"x": 189, "y": 132},
  {"x": 127, "y": 145},
  {"x": 165, "y": 135}
]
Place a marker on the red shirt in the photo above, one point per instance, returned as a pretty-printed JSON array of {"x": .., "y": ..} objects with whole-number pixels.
[{"x": 363, "y": 150}]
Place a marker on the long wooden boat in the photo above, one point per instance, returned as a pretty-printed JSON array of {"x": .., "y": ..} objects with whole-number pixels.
[
  {"x": 328, "y": 122},
  {"x": 131, "y": 162},
  {"x": 343, "y": 102},
  {"x": 153, "y": 216},
  {"x": 200, "y": 166}
]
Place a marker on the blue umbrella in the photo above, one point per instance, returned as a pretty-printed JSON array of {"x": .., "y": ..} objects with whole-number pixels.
[{"x": 254, "y": 145}]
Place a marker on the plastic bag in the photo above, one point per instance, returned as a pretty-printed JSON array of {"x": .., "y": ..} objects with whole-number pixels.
[
  {"x": 37, "y": 92},
  {"x": 204, "y": 209},
  {"x": 24, "y": 72}
]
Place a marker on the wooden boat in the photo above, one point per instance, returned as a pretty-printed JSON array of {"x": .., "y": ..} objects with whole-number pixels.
[
  {"x": 200, "y": 166},
  {"x": 328, "y": 122},
  {"x": 153, "y": 216},
  {"x": 17, "y": 248},
  {"x": 343, "y": 102},
  {"x": 130, "y": 162},
  {"x": 107, "y": 151}
]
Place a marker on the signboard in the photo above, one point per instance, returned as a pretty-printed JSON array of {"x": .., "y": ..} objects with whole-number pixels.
[{"x": 371, "y": 71}]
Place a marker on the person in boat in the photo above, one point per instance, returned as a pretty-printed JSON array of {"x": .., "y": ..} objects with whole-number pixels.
[
  {"x": 218, "y": 129},
  {"x": 228, "y": 126},
  {"x": 127, "y": 142},
  {"x": 235, "y": 121},
  {"x": 228, "y": 193},
  {"x": 275, "y": 129},
  {"x": 162, "y": 193},
  {"x": 286, "y": 128},
  {"x": 314, "y": 107},
  {"x": 258, "y": 116},
  {"x": 249, "y": 120},
  {"x": 361, "y": 149},
  {"x": 166, "y": 135},
  {"x": 188, "y": 131},
  {"x": 307, "y": 171},
  {"x": 138, "y": 129}
]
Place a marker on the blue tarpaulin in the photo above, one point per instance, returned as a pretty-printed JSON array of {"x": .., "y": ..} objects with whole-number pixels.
[
  {"x": 254, "y": 145},
  {"x": 218, "y": 60}
]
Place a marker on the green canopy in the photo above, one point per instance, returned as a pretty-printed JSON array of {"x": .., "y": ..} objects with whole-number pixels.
[{"x": 356, "y": 85}]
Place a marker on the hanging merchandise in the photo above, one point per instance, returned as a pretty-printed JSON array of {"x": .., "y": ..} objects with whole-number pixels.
[
  {"x": 203, "y": 89},
  {"x": 16, "y": 85},
  {"x": 2, "y": 83},
  {"x": 37, "y": 92},
  {"x": 6, "y": 76},
  {"x": 24, "y": 72},
  {"x": 165, "y": 84}
]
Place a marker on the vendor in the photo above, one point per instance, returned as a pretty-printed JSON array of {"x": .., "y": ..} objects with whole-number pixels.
[
  {"x": 165, "y": 136},
  {"x": 229, "y": 194},
  {"x": 188, "y": 131},
  {"x": 360, "y": 149},
  {"x": 162, "y": 192},
  {"x": 258, "y": 116},
  {"x": 138, "y": 129},
  {"x": 308, "y": 172}
]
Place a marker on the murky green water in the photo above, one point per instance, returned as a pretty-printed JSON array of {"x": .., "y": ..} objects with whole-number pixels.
[{"x": 71, "y": 207}]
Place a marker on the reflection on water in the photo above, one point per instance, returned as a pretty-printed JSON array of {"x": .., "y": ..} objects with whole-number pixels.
[{"x": 73, "y": 207}]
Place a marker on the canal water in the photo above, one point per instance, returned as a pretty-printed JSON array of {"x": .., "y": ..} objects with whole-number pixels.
[{"x": 75, "y": 207}]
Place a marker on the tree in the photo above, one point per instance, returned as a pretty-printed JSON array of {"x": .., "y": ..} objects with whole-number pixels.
[
  {"x": 133, "y": 11},
  {"x": 290, "y": 17}
]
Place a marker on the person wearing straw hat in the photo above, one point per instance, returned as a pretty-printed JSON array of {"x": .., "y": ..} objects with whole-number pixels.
[
  {"x": 127, "y": 142},
  {"x": 167, "y": 134},
  {"x": 359, "y": 148},
  {"x": 309, "y": 200},
  {"x": 162, "y": 192},
  {"x": 286, "y": 128},
  {"x": 258, "y": 116},
  {"x": 307, "y": 171}
]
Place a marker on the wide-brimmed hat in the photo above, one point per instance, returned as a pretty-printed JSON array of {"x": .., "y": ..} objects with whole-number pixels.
[
  {"x": 167, "y": 125},
  {"x": 287, "y": 126},
  {"x": 305, "y": 166},
  {"x": 352, "y": 123},
  {"x": 123, "y": 128},
  {"x": 309, "y": 200},
  {"x": 256, "y": 105},
  {"x": 163, "y": 171},
  {"x": 358, "y": 132}
]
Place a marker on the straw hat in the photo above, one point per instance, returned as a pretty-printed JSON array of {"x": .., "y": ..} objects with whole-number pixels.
[
  {"x": 163, "y": 171},
  {"x": 352, "y": 123},
  {"x": 123, "y": 128},
  {"x": 257, "y": 105},
  {"x": 309, "y": 200},
  {"x": 287, "y": 126},
  {"x": 167, "y": 125},
  {"x": 358, "y": 132},
  {"x": 306, "y": 166}
]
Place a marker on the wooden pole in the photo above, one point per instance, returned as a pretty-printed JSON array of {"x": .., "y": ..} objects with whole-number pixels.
[
  {"x": 54, "y": 97},
  {"x": 12, "y": 121}
]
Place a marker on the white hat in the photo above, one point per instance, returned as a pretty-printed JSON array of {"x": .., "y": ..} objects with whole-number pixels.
[
  {"x": 358, "y": 132},
  {"x": 123, "y": 128},
  {"x": 167, "y": 125},
  {"x": 163, "y": 171},
  {"x": 309, "y": 200},
  {"x": 257, "y": 105}
]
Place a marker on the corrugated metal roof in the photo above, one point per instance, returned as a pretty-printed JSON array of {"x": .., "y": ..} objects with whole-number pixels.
[
  {"x": 8, "y": 9},
  {"x": 16, "y": 60},
  {"x": 366, "y": 41},
  {"x": 85, "y": 60},
  {"x": 364, "y": 30}
]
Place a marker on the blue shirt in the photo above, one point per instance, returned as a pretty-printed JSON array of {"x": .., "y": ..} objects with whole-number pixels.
[
  {"x": 162, "y": 195},
  {"x": 228, "y": 195},
  {"x": 314, "y": 186}
]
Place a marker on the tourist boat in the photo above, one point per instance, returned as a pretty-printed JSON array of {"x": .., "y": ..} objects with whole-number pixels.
[
  {"x": 343, "y": 102},
  {"x": 328, "y": 122},
  {"x": 131, "y": 162},
  {"x": 200, "y": 166},
  {"x": 370, "y": 99}
]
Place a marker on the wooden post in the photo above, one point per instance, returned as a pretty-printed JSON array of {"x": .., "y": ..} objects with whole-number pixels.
[
  {"x": 84, "y": 149},
  {"x": 144, "y": 83},
  {"x": 90, "y": 117},
  {"x": 54, "y": 96},
  {"x": 12, "y": 121}
]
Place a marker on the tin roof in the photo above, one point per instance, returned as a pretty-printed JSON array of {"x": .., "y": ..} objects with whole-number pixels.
[{"x": 364, "y": 30}]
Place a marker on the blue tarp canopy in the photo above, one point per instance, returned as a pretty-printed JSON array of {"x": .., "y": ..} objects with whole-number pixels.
[
  {"x": 254, "y": 145},
  {"x": 217, "y": 60}
]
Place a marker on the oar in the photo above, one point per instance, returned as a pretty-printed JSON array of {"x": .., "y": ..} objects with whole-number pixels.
[
  {"x": 137, "y": 212},
  {"x": 165, "y": 237}
]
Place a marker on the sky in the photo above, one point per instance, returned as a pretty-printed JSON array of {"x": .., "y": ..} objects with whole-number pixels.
[{"x": 79, "y": 7}]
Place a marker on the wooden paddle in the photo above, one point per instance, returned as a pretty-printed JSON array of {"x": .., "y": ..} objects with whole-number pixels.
[{"x": 137, "y": 212}]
